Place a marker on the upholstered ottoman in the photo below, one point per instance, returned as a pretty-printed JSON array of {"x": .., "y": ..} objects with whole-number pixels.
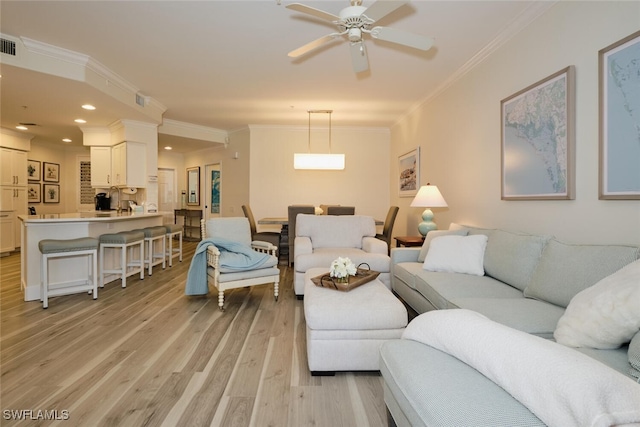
[{"x": 346, "y": 329}]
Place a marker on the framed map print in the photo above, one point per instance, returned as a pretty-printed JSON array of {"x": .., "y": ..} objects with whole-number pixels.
[
  {"x": 538, "y": 140},
  {"x": 619, "y": 91}
]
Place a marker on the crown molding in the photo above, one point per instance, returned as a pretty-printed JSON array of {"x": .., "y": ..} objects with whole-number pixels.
[{"x": 193, "y": 131}]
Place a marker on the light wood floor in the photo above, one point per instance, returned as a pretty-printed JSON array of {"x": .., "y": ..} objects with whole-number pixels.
[{"x": 147, "y": 355}]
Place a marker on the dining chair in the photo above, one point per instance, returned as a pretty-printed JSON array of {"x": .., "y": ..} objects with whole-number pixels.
[
  {"x": 341, "y": 210},
  {"x": 272, "y": 237},
  {"x": 387, "y": 228},
  {"x": 293, "y": 212}
]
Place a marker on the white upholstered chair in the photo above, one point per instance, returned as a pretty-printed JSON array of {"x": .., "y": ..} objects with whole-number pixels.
[{"x": 237, "y": 230}]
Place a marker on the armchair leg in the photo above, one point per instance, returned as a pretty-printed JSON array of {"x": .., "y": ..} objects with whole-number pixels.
[
  {"x": 221, "y": 300},
  {"x": 275, "y": 291}
]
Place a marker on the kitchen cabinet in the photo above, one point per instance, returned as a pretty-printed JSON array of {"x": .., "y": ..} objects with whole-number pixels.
[
  {"x": 129, "y": 164},
  {"x": 101, "y": 167},
  {"x": 7, "y": 235},
  {"x": 14, "y": 167}
]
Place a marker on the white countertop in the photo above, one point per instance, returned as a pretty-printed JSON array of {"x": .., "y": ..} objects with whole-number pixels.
[{"x": 106, "y": 216}]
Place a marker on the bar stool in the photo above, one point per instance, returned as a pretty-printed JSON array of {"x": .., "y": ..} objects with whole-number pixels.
[
  {"x": 52, "y": 249},
  {"x": 173, "y": 230},
  {"x": 153, "y": 257},
  {"x": 123, "y": 241}
]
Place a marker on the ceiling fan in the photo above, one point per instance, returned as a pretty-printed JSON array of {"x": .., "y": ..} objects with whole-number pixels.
[{"x": 356, "y": 20}]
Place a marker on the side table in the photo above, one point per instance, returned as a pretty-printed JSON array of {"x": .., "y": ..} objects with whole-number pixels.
[{"x": 409, "y": 241}]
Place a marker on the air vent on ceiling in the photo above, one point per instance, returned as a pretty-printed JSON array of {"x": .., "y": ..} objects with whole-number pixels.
[
  {"x": 8, "y": 46},
  {"x": 141, "y": 100}
]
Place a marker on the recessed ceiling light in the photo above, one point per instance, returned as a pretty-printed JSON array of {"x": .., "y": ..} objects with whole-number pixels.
[
  {"x": 21, "y": 127},
  {"x": 80, "y": 121},
  {"x": 88, "y": 107},
  {"x": 66, "y": 140},
  {"x": 168, "y": 148}
]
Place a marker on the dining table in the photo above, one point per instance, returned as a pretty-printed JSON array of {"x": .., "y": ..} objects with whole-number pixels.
[{"x": 284, "y": 221}]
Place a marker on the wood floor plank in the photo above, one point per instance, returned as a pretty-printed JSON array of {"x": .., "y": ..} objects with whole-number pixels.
[{"x": 147, "y": 355}]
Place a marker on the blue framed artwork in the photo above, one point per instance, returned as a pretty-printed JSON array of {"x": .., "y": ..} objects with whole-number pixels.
[
  {"x": 619, "y": 92},
  {"x": 538, "y": 140},
  {"x": 215, "y": 191}
]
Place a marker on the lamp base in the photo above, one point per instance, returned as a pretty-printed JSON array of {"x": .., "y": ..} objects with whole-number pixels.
[{"x": 427, "y": 223}]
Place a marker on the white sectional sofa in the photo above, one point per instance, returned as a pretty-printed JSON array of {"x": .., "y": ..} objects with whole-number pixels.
[
  {"x": 527, "y": 284},
  {"x": 322, "y": 238}
]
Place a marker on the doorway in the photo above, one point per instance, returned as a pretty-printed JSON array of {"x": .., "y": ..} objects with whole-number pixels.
[
  {"x": 167, "y": 194},
  {"x": 213, "y": 191}
]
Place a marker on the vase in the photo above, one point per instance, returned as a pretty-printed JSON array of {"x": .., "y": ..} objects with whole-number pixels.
[{"x": 343, "y": 279}]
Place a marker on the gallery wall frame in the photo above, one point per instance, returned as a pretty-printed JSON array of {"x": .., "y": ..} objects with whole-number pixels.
[
  {"x": 50, "y": 193},
  {"x": 619, "y": 108},
  {"x": 33, "y": 170},
  {"x": 33, "y": 193},
  {"x": 409, "y": 173},
  {"x": 538, "y": 140},
  {"x": 50, "y": 172}
]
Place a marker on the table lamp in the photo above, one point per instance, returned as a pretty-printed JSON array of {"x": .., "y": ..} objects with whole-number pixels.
[{"x": 428, "y": 197}]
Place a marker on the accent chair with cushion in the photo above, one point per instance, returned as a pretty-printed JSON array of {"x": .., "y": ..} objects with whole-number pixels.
[{"x": 227, "y": 258}]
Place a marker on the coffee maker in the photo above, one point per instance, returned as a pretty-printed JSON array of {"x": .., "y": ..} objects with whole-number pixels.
[{"x": 103, "y": 203}]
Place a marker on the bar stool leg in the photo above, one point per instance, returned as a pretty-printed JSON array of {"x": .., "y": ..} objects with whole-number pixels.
[
  {"x": 141, "y": 249},
  {"x": 123, "y": 265},
  {"x": 45, "y": 281},
  {"x": 94, "y": 274}
]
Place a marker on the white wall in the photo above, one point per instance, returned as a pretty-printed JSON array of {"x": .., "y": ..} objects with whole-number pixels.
[
  {"x": 459, "y": 131},
  {"x": 275, "y": 184}
]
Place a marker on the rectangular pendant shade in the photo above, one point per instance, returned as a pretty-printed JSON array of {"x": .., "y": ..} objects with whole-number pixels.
[{"x": 318, "y": 161}]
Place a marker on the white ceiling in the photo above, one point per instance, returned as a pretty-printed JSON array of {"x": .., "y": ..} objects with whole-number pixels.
[{"x": 224, "y": 64}]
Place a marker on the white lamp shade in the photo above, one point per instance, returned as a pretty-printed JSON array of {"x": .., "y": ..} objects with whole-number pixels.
[
  {"x": 429, "y": 197},
  {"x": 318, "y": 161}
]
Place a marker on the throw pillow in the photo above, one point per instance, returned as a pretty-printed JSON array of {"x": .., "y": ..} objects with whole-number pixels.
[
  {"x": 457, "y": 254},
  {"x": 634, "y": 356},
  {"x": 437, "y": 233},
  {"x": 605, "y": 315}
]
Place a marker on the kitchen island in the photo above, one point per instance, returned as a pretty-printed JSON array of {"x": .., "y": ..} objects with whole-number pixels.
[{"x": 69, "y": 226}]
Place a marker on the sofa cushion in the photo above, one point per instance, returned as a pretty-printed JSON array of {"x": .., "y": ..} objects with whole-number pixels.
[
  {"x": 564, "y": 270},
  {"x": 431, "y": 388},
  {"x": 525, "y": 314},
  {"x": 439, "y": 288},
  {"x": 331, "y": 231},
  {"x": 437, "y": 233},
  {"x": 512, "y": 257},
  {"x": 323, "y": 257},
  {"x": 634, "y": 356},
  {"x": 407, "y": 272},
  {"x": 606, "y": 315},
  {"x": 457, "y": 254},
  {"x": 471, "y": 230}
]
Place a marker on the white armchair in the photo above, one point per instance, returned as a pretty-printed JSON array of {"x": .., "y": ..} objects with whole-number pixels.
[
  {"x": 322, "y": 238},
  {"x": 224, "y": 276}
]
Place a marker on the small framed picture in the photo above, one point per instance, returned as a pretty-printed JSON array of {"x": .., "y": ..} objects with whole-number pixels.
[
  {"x": 33, "y": 193},
  {"x": 409, "y": 173},
  {"x": 50, "y": 172},
  {"x": 50, "y": 193},
  {"x": 33, "y": 170}
]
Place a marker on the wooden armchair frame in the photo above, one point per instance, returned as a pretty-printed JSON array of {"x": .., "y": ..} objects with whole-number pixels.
[{"x": 213, "y": 261}]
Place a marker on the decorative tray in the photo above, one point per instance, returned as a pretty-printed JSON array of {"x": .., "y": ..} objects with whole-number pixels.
[{"x": 363, "y": 275}]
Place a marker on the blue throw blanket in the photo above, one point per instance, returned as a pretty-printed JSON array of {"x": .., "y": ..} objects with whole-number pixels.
[{"x": 234, "y": 257}]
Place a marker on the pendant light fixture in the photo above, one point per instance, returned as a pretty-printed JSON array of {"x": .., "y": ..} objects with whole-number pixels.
[{"x": 318, "y": 161}]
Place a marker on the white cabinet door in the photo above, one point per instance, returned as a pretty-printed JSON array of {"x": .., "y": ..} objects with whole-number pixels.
[
  {"x": 14, "y": 167},
  {"x": 129, "y": 160},
  {"x": 7, "y": 236},
  {"x": 101, "y": 167},
  {"x": 7, "y": 194}
]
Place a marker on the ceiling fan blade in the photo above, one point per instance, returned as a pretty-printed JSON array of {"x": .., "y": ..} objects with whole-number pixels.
[
  {"x": 392, "y": 35},
  {"x": 312, "y": 45},
  {"x": 298, "y": 7},
  {"x": 359, "y": 57},
  {"x": 382, "y": 8}
]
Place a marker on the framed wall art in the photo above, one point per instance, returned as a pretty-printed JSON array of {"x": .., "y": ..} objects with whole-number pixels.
[
  {"x": 33, "y": 170},
  {"x": 538, "y": 139},
  {"x": 619, "y": 94},
  {"x": 50, "y": 193},
  {"x": 409, "y": 173},
  {"x": 50, "y": 172},
  {"x": 33, "y": 193}
]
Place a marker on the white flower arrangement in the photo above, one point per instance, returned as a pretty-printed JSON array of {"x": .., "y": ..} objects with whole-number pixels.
[{"x": 342, "y": 268}]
